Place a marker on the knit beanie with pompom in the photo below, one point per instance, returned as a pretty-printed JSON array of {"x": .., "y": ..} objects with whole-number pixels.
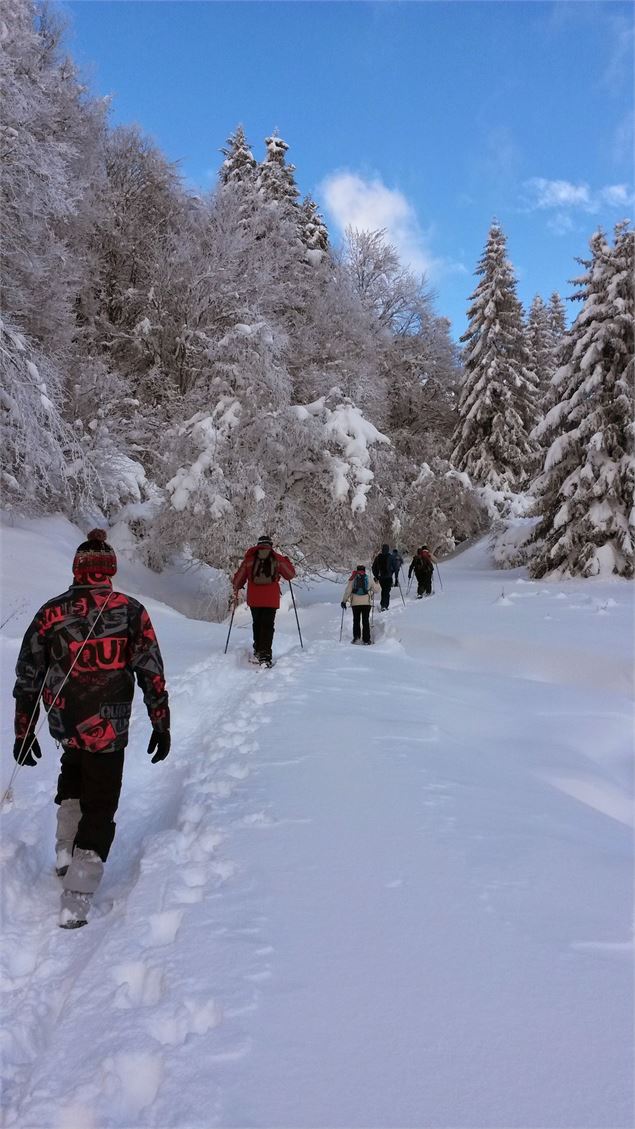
[{"x": 94, "y": 557}]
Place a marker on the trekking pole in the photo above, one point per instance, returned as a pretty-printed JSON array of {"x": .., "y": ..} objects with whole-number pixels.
[
  {"x": 439, "y": 575},
  {"x": 401, "y": 594},
  {"x": 409, "y": 585},
  {"x": 342, "y": 624},
  {"x": 23, "y": 753},
  {"x": 296, "y": 615},
  {"x": 230, "y": 625}
]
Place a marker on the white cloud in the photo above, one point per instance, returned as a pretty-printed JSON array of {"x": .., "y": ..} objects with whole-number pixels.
[
  {"x": 557, "y": 193},
  {"x": 565, "y": 198},
  {"x": 370, "y": 205},
  {"x": 617, "y": 195}
]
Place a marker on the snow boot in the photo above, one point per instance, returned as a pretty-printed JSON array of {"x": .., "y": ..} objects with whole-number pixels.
[
  {"x": 80, "y": 882},
  {"x": 74, "y": 909},
  {"x": 354, "y": 640},
  {"x": 68, "y": 817}
]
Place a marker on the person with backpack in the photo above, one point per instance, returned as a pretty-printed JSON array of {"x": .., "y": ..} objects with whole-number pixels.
[
  {"x": 397, "y": 561},
  {"x": 80, "y": 656},
  {"x": 423, "y": 567},
  {"x": 262, "y": 569},
  {"x": 383, "y": 573},
  {"x": 360, "y": 591}
]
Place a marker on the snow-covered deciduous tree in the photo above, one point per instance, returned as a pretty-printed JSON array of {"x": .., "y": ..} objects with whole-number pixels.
[
  {"x": 392, "y": 293},
  {"x": 498, "y": 399},
  {"x": 50, "y": 136},
  {"x": 42, "y": 465},
  {"x": 440, "y": 508},
  {"x": 588, "y": 520}
]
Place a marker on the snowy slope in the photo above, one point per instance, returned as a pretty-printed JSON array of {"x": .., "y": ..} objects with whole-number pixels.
[{"x": 385, "y": 886}]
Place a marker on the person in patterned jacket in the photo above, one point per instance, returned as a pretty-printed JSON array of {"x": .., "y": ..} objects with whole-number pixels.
[
  {"x": 80, "y": 656},
  {"x": 262, "y": 569}
]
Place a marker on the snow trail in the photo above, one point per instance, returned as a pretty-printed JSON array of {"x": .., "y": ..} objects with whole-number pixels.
[{"x": 372, "y": 886}]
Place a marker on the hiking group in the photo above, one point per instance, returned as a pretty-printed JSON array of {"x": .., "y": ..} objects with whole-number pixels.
[{"x": 80, "y": 657}]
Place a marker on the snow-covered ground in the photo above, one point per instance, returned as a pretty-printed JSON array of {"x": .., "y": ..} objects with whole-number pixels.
[{"x": 385, "y": 886}]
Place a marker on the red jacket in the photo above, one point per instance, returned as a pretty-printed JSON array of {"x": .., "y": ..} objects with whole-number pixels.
[{"x": 262, "y": 595}]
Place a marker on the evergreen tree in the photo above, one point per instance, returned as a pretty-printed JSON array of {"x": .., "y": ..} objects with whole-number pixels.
[
  {"x": 239, "y": 166},
  {"x": 589, "y": 473},
  {"x": 276, "y": 178},
  {"x": 497, "y": 406},
  {"x": 542, "y": 344},
  {"x": 313, "y": 230},
  {"x": 557, "y": 317}
]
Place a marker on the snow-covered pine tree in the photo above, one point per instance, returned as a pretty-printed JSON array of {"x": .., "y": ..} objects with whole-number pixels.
[
  {"x": 557, "y": 317},
  {"x": 588, "y": 520},
  {"x": 497, "y": 403},
  {"x": 313, "y": 231},
  {"x": 239, "y": 166},
  {"x": 542, "y": 345},
  {"x": 276, "y": 178}
]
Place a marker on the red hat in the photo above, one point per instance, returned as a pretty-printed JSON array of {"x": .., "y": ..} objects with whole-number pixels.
[{"x": 94, "y": 557}]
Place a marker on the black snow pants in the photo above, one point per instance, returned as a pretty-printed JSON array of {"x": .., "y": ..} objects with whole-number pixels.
[
  {"x": 424, "y": 582},
  {"x": 361, "y": 612},
  {"x": 95, "y": 780},
  {"x": 386, "y": 589},
  {"x": 263, "y": 628}
]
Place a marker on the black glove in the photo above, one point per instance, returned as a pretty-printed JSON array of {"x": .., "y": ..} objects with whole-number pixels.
[
  {"x": 160, "y": 740},
  {"x": 343, "y": 604},
  {"x": 26, "y": 750}
]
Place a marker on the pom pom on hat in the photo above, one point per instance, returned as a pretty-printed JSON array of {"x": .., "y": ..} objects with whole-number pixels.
[{"x": 97, "y": 535}]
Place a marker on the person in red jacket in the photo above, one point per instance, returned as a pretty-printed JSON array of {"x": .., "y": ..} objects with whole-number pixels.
[
  {"x": 81, "y": 656},
  {"x": 262, "y": 569}
]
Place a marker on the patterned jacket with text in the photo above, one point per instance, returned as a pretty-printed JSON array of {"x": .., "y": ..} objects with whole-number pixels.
[{"x": 88, "y": 690}]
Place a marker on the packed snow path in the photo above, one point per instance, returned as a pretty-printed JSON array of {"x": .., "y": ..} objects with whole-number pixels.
[{"x": 384, "y": 886}]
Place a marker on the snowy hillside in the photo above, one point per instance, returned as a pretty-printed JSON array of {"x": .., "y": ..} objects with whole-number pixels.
[{"x": 386, "y": 886}]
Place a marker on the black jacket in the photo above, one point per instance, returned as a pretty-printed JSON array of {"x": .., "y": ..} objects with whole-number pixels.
[
  {"x": 90, "y": 709},
  {"x": 383, "y": 567}
]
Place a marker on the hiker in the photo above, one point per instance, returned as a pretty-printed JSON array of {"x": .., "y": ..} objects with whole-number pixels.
[
  {"x": 262, "y": 569},
  {"x": 383, "y": 573},
  {"x": 397, "y": 561},
  {"x": 360, "y": 590},
  {"x": 423, "y": 567},
  {"x": 81, "y": 655}
]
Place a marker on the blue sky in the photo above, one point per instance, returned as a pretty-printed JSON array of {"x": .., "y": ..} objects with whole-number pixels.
[{"x": 426, "y": 118}]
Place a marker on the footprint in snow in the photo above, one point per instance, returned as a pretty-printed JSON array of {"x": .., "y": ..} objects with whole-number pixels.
[
  {"x": 163, "y": 927},
  {"x": 139, "y": 984},
  {"x": 132, "y": 1081},
  {"x": 171, "y": 1026}
]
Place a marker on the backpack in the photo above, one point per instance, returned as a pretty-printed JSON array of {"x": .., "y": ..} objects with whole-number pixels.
[
  {"x": 265, "y": 567},
  {"x": 360, "y": 584}
]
